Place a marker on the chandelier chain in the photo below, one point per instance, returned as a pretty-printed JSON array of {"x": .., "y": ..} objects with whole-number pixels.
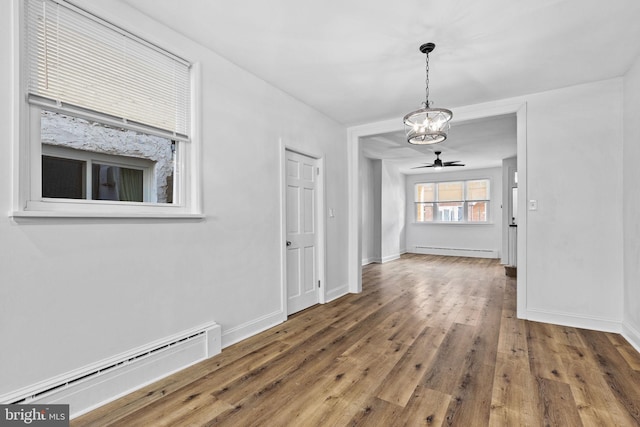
[{"x": 426, "y": 102}]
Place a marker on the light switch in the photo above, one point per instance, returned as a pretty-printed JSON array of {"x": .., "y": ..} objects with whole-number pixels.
[{"x": 533, "y": 205}]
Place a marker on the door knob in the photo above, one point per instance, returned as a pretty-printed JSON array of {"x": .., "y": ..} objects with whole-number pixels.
[{"x": 288, "y": 243}]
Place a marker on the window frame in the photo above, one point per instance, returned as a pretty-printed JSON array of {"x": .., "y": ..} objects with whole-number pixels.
[
  {"x": 465, "y": 202},
  {"x": 27, "y": 200}
]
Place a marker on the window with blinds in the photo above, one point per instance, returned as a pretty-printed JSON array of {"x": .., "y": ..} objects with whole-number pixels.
[
  {"x": 75, "y": 59},
  {"x": 453, "y": 201},
  {"x": 109, "y": 122}
]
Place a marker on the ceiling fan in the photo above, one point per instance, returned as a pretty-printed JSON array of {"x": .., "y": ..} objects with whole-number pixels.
[{"x": 439, "y": 164}]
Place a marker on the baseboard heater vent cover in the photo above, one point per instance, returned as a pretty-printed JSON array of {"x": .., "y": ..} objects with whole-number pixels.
[
  {"x": 94, "y": 385},
  {"x": 439, "y": 250}
]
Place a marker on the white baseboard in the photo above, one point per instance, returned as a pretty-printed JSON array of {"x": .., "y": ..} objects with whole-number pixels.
[
  {"x": 337, "y": 293},
  {"x": 251, "y": 328},
  {"x": 390, "y": 257},
  {"x": 464, "y": 252},
  {"x": 261, "y": 324},
  {"x": 94, "y": 385},
  {"x": 575, "y": 321},
  {"x": 367, "y": 261},
  {"x": 632, "y": 335}
]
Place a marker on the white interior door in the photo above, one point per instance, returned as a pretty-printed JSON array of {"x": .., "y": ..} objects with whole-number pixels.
[{"x": 302, "y": 232}]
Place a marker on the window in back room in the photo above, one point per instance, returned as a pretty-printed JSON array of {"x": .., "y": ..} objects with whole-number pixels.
[{"x": 453, "y": 201}]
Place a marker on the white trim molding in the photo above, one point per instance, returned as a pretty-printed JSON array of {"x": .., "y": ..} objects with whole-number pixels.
[
  {"x": 574, "y": 320},
  {"x": 251, "y": 328},
  {"x": 336, "y": 293},
  {"x": 632, "y": 335},
  {"x": 392, "y": 257}
]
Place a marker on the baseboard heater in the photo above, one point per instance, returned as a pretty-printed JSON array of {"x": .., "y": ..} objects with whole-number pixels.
[
  {"x": 92, "y": 386},
  {"x": 439, "y": 250}
]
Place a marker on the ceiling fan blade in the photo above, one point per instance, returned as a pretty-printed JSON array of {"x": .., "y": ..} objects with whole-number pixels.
[
  {"x": 454, "y": 165},
  {"x": 425, "y": 166},
  {"x": 450, "y": 163}
]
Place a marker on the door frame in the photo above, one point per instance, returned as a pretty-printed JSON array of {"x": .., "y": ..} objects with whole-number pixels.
[
  {"x": 517, "y": 106},
  {"x": 320, "y": 222}
]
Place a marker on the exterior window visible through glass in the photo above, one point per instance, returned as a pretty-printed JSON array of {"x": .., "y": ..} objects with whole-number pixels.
[{"x": 91, "y": 160}]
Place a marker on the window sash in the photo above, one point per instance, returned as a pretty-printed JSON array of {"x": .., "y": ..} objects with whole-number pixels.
[{"x": 77, "y": 59}]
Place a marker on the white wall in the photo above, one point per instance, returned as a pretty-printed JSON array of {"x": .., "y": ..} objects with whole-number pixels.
[
  {"x": 370, "y": 178},
  {"x": 383, "y": 206},
  {"x": 76, "y": 291},
  {"x": 392, "y": 238},
  {"x": 574, "y": 238},
  {"x": 456, "y": 236},
  {"x": 631, "y": 222}
]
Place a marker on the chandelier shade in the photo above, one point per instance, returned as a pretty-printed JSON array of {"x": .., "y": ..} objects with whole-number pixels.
[{"x": 427, "y": 125}]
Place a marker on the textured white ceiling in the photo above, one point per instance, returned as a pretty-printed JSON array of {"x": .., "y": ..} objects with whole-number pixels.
[{"x": 357, "y": 61}]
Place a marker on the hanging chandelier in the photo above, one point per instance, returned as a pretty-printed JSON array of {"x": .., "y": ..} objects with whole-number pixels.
[{"x": 427, "y": 125}]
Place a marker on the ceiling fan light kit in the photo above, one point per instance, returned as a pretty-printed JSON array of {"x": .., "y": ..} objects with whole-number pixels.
[{"x": 427, "y": 125}]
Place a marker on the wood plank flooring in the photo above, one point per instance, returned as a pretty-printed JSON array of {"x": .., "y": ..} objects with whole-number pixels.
[{"x": 431, "y": 341}]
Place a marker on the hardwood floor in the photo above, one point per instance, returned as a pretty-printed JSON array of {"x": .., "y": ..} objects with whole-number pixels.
[{"x": 431, "y": 340}]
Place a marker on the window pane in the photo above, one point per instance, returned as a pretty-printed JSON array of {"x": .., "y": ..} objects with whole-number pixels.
[
  {"x": 451, "y": 212},
  {"x": 450, "y": 191},
  {"x": 477, "y": 211},
  {"x": 117, "y": 183},
  {"x": 478, "y": 190},
  {"x": 424, "y": 212},
  {"x": 425, "y": 192},
  {"x": 63, "y": 178}
]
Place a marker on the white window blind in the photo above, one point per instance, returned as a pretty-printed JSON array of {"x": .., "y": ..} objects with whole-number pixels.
[{"x": 77, "y": 59}]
